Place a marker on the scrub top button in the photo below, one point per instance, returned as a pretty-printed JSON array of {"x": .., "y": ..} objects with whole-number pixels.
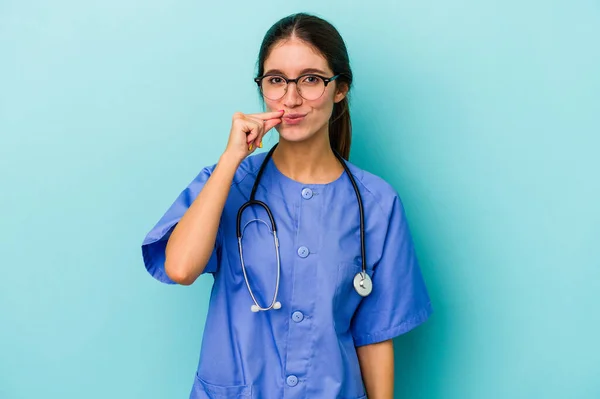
[
  {"x": 303, "y": 252},
  {"x": 292, "y": 380},
  {"x": 307, "y": 193},
  {"x": 297, "y": 316}
]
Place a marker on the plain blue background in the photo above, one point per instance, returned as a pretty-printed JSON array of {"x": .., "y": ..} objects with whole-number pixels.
[{"x": 484, "y": 115}]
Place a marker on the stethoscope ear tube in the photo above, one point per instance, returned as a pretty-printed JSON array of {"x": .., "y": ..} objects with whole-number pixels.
[
  {"x": 362, "y": 281},
  {"x": 238, "y": 227},
  {"x": 275, "y": 304},
  {"x": 361, "y": 213}
]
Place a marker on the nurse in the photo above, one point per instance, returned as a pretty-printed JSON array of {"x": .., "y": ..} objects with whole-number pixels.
[{"x": 324, "y": 339}]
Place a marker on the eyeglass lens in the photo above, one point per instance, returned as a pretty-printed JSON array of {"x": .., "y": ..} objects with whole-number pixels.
[{"x": 310, "y": 87}]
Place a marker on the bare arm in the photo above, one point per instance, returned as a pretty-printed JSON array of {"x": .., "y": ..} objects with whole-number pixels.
[
  {"x": 377, "y": 367},
  {"x": 191, "y": 244},
  {"x": 192, "y": 241}
]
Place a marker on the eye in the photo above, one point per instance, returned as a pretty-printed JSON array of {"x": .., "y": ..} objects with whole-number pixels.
[
  {"x": 311, "y": 80},
  {"x": 275, "y": 80}
]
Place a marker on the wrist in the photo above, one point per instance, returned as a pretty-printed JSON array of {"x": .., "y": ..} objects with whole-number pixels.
[{"x": 229, "y": 161}]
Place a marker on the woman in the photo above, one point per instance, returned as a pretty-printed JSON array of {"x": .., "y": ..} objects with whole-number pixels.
[{"x": 298, "y": 319}]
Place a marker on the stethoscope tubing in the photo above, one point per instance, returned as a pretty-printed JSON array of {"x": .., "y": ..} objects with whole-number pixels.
[{"x": 252, "y": 201}]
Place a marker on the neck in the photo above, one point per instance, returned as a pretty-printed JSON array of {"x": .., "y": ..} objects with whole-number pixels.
[{"x": 308, "y": 162}]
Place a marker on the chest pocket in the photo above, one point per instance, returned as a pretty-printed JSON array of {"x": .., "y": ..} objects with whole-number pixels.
[{"x": 346, "y": 299}]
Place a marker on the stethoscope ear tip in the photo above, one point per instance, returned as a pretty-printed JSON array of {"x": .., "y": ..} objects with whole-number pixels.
[{"x": 255, "y": 308}]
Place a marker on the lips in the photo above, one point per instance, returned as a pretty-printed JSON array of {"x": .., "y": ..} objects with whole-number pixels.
[{"x": 293, "y": 118}]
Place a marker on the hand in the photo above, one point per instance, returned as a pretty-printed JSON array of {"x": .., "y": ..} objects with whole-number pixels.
[{"x": 248, "y": 130}]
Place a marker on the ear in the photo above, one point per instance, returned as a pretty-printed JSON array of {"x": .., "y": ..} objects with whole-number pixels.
[{"x": 341, "y": 92}]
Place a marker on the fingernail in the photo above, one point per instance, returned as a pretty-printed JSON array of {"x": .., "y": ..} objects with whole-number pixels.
[
  {"x": 260, "y": 145},
  {"x": 281, "y": 110},
  {"x": 250, "y": 148}
]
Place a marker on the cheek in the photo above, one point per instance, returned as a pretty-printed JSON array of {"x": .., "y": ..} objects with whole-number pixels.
[
  {"x": 272, "y": 105},
  {"x": 323, "y": 106},
  {"x": 326, "y": 102},
  {"x": 322, "y": 103}
]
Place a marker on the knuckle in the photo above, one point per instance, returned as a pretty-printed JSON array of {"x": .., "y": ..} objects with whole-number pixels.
[{"x": 256, "y": 123}]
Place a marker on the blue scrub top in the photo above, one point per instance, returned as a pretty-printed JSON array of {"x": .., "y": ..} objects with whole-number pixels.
[{"x": 306, "y": 349}]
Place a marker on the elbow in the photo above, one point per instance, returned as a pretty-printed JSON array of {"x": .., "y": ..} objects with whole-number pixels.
[{"x": 179, "y": 273}]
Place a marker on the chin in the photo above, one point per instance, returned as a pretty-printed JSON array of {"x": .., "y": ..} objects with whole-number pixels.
[{"x": 293, "y": 133}]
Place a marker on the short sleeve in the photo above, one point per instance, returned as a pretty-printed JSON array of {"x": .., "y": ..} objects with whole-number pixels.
[
  {"x": 155, "y": 242},
  {"x": 399, "y": 301}
]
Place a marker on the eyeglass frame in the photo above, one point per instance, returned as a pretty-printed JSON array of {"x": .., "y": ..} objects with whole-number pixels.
[{"x": 326, "y": 81}]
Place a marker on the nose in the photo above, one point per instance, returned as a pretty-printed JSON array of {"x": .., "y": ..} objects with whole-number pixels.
[{"x": 292, "y": 98}]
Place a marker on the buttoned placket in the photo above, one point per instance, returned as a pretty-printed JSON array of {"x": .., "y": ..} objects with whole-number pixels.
[{"x": 304, "y": 295}]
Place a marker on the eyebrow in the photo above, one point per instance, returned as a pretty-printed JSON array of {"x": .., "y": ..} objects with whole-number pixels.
[{"x": 306, "y": 70}]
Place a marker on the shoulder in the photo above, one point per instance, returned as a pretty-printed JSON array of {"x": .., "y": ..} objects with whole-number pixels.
[
  {"x": 248, "y": 168},
  {"x": 375, "y": 188}
]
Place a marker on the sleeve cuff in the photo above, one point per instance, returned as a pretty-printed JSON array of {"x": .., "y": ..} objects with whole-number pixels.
[
  {"x": 153, "y": 253},
  {"x": 380, "y": 336}
]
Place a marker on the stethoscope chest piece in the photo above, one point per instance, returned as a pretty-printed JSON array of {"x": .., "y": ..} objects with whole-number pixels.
[{"x": 363, "y": 284}]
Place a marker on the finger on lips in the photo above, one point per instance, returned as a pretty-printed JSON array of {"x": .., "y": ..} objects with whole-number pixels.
[
  {"x": 265, "y": 121},
  {"x": 268, "y": 115}
]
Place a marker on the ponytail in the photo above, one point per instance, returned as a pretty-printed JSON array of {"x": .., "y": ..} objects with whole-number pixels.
[{"x": 340, "y": 129}]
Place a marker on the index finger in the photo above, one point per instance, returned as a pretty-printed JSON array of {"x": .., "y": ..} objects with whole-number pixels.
[{"x": 268, "y": 115}]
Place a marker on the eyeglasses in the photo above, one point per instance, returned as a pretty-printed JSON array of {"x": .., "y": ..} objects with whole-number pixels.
[{"x": 309, "y": 86}]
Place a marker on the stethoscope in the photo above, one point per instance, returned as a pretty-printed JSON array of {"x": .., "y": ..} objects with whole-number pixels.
[{"x": 362, "y": 282}]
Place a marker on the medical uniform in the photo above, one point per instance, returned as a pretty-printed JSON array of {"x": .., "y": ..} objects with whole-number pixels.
[{"x": 306, "y": 349}]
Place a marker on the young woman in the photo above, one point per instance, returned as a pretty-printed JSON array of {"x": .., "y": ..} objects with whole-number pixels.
[{"x": 311, "y": 283}]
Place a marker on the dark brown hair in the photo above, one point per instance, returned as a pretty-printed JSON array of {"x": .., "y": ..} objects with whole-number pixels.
[{"x": 324, "y": 37}]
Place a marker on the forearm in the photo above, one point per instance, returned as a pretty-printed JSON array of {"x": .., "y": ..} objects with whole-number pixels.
[
  {"x": 192, "y": 241},
  {"x": 377, "y": 368}
]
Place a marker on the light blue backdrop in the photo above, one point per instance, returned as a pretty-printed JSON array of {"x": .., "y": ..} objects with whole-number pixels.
[{"x": 484, "y": 115}]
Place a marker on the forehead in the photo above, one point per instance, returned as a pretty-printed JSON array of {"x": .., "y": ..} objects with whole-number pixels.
[{"x": 293, "y": 56}]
